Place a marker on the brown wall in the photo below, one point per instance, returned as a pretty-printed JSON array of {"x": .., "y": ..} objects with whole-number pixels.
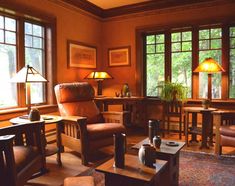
[
  {"x": 121, "y": 31},
  {"x": 75, "y": 24},
  {"x": 71, "y": 24}
]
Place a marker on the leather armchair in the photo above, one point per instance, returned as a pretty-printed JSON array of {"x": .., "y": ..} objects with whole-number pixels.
[
  {"x": 85, "y": 128},
  {"x": 22, "y": 153},
  {"x": 224, "y": 121}
]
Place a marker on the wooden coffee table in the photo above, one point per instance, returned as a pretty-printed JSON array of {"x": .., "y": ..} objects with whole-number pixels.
[
  {"x": 134, "y": 173},
  {"x": 170, "y": 154}
]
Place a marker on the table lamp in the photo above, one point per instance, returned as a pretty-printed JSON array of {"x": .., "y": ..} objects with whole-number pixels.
[
  {"x": 28, "y": 75},
  {"x": 210, "y": 66},
  {"x": 99, "y": 77}
]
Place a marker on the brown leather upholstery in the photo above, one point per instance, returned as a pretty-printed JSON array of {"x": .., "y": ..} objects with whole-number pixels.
[
  {"x": 77, "y": 99},
  {"x": 18, "y": 163},
  {"x": 227, "y": 135},
  {"x": 23, "y": 155}
]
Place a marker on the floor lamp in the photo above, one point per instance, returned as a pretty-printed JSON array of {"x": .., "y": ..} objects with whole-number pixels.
[
  {"x": 28, "y": 75},
  {"x": 99, "y": 77},
  {"x": 209, "y": 65}
]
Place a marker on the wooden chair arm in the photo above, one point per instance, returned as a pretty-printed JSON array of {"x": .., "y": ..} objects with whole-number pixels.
[{"x": 74, "y": 126}]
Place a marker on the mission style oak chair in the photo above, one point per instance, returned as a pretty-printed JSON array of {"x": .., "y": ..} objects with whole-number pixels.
[
  {"x": 173, "y": 109},
  {"x": 225, "y": 129},
  {"x": 22, "y": 153},
  {"x": 85, "y": 129}
]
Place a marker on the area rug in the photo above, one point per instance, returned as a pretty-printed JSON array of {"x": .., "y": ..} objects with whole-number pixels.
[{"x": 197, "y": 169}]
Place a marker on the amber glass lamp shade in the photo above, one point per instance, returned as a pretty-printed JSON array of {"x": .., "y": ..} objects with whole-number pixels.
[
  {"x": 28, "y": 75},
  {"x": 209, "y": 65},
  {"x": 99, "y": 77}
]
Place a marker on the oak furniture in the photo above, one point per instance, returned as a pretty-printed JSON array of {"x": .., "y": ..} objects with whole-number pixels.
[
  {"x": 207, "y": 124},
  {"x": 22, "y": 153},
  {"x": 173, "y": 109},
  {"x": 134, "y": 106},
  {"x": 224, "y": 121},
  {"x": 85, "y": 129},
  {"x": 134, "y": 173},
  {"x": 48, "y": 120},
  {"x": 79, "y": 181},
  {"x": 168, "y": 153}
]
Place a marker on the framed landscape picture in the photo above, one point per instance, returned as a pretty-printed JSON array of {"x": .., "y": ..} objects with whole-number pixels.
[
  {"x": 81, "y": 55},
  {"x": 119, "y": 56}
]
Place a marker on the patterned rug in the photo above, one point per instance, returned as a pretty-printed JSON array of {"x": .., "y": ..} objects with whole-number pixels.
[{"x": 198, "y": 169}]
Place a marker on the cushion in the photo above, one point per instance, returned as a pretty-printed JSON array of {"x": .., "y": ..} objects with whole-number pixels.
[
  {"x": 103, "y": 130},
  {"x": 72, "y": 92},
  {"x": 82, "y": 108},
  {"x": 23, "y": 155},
  {"x": 228, "y": 130}
]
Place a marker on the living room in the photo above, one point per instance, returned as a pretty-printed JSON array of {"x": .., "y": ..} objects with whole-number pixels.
[{"x": 46, "y": 34}]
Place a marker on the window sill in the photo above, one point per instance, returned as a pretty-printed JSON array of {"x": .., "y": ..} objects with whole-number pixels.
[{"x": 10, "y": 113}]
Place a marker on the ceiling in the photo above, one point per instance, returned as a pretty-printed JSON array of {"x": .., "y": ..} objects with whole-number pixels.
[
  {"x": 107, "y": 4},
  {"x": 112, "y": 8}
]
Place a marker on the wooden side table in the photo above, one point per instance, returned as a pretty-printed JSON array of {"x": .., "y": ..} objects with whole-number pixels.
[
  {"x": 134, "y": 173},
  {"x": 49, "y": 119},
  {"x": 170, "y": 154},
  {"x": 207, "y": 126}
]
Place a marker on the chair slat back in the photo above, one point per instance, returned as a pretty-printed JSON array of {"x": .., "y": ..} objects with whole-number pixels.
[
  {"x": 228, "y": 119},
  {"x": 173, "y": 107}
]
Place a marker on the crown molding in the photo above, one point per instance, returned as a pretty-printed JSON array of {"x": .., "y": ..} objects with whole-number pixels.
[
  {"x": 87, "y": 6},
  {"x": 136, "y": 8}
]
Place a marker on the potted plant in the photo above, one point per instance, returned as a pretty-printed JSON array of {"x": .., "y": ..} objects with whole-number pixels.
[
  {"x": 206, "y": 103},
  {"x": 173, "y": 91}
]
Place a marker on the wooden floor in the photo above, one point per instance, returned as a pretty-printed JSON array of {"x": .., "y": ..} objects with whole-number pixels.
[{"x": 72, "y": 163}]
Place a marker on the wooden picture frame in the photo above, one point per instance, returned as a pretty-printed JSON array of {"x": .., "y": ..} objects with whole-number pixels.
[
  {"x": 119, "y": 56},
  {"x": 81, "y": 55}
]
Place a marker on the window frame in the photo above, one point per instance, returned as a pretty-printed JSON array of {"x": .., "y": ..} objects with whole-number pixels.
[
  {"x": 48, "y": 22},
  {"x": 224, "y": 25}
]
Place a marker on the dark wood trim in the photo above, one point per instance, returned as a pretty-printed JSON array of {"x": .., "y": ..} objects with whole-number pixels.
[
  {"x": 17, "y": 9},
  {"x": 225, "y": 62},
  {"x": 87, "y": 6},
  {"x": 195, "y": 62},
  {"x": 138, "y": 7},
  {"x": 147, "y": 6}
]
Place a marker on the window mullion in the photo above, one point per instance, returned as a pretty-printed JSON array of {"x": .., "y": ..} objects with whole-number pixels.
[
  {"x": 20, "y": 62},
  {"x": 195, "y": 62},
  {"x": 225, "y": 62},
  {"x": 168, "y": 55}
]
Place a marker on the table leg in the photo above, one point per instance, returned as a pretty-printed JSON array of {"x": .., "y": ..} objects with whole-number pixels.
[
  {"x": 210, "y": 132},
  {"x": 186, "y": 127},
  {"x": 206, "y": 122},
  {"x": 58, "y": 143},
  {"x": 194, "y": 125}
]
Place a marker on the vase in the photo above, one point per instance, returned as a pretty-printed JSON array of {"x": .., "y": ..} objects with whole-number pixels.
[
  {"x": 34, "y": 115},
  {"x": 119, "y": 150},
  {"x": 157, "y": 141},
  {"x": 125, "y": 90},
  {"x": 147, "y": 155},
  {"x": 152, "y": 130}
]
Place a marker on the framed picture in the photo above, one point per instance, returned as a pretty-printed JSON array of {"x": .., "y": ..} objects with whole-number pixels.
[
  {"x": 119, "y": 56},
  {"x": 81, "y": 55}
]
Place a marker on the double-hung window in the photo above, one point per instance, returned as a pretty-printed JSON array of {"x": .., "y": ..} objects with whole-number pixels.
[
  {"x": 22, "y": 42},
  {"x": 182, "y": 49}
]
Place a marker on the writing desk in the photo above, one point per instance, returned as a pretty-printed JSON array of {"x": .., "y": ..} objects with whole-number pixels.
[
  {"x": 134, "y": 105},
  {"x": 207, "y": 126}
]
